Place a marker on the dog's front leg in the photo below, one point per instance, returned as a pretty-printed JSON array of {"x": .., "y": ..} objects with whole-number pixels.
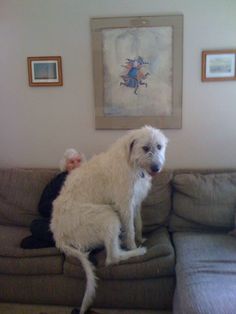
[
  {"x": 138, "y": 226},
  {"x": 127, "y": 221}
]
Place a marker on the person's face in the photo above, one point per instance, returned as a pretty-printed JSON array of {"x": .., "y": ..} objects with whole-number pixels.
[{"x": 73, "y": 163}]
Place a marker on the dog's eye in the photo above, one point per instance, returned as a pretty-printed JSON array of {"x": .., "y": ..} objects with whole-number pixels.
[
  {"x": 146, "y": 149},
  {"x": 159, "y": 147}
]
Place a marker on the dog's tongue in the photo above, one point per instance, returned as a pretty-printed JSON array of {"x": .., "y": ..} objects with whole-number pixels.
[{"x": 154, "y": 173}]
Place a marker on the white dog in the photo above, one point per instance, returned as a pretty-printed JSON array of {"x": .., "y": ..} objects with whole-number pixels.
[{"x": 105, "y": 195}]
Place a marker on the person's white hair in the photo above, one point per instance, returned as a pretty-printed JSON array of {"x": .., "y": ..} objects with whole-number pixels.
[{"x": 69, "y": 154}]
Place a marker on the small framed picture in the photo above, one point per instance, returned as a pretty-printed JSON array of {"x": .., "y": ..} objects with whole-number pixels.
[
  {"x": 45, "y": 71},
  {"x": 218, "y": 65}
]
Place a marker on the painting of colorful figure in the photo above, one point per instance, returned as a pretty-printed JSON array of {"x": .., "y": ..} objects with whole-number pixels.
[
  {"x": 137, "y": 71},
  {"x": 134, "y": 76}
]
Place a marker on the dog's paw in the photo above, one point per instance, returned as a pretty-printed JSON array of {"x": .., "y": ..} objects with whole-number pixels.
[
  {"x": 143, "y": 240},
  {"x": 110, "y": 261},
  {"x": 142, "y": 250},
  {"x": 131, "y": 246}
]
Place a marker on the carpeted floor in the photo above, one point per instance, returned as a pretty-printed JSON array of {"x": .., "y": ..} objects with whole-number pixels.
[{"x": 10, "y": 308}]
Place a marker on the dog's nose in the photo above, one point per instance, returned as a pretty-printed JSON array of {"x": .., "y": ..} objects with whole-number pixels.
[{"x": 155, "y": 168}]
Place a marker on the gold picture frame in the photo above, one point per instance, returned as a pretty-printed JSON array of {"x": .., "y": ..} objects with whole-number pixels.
[
  {"x": 137, "y": 65},
  {"x": 45, "y": 71},
  {"x": 218, "y": 65}
]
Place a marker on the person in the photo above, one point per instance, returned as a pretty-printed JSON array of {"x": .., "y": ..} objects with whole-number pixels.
[{"x": 41, "y": 236}]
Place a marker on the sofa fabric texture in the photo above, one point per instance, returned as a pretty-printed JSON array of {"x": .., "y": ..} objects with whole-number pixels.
[
  {"x": 158, "y": 262},
  {"x": 199, "y": 201},
  {"x": 16, "y": 261},
  {"x": 62, "y": 290},
  {"x": 158, "y": 201},
  {"x": 20, "y": 191},
  {"x": 206, "y": 273}
]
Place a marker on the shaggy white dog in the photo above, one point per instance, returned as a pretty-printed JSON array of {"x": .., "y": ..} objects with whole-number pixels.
[{"x": 104, "y": 196}]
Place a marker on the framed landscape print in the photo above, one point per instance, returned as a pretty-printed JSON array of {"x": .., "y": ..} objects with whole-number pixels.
[
  {"x": 137, "y": 71},
  {"x": 45, "y": 71},
  {"x": 218, "y": 65}
]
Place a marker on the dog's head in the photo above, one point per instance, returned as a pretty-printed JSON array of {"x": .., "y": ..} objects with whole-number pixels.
[{"x": 146, "y": 150}]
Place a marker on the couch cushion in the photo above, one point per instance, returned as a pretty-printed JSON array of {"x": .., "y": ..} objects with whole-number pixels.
[
  {"x": 157, "y": 262},
  {"x": 15, "y": 260},
  {"x": 20, "y": 191},
  {"x": 204, "y": 201},
  {"x": 233, "y": 232},
  {"x": 156, "y": 207},
  {"x": 63, "y": 290},
  {"x": 206, "y": 273}
]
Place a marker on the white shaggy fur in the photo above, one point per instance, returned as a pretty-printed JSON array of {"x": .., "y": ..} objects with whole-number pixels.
[{"x": 104, "y": 196}]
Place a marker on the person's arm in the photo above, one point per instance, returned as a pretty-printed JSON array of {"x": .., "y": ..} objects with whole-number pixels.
[{"x": 50, "y": 193}]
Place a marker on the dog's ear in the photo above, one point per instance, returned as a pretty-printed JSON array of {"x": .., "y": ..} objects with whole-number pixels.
[
  {"x": 130, "y": 148},
  {"x": 131, "y": 145}
]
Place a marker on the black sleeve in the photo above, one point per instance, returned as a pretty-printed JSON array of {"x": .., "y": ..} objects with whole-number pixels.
[{"x": 50, "y": 193}]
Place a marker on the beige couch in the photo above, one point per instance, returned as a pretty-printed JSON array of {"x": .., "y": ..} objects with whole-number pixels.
[{"x": 187, "y": 217}]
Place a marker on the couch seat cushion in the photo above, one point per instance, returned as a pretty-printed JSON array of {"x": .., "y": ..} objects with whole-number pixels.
[
  {"x": 206, "y": 273},
  {"x": 157, "y": 262},
  {"x": 15, "y": 260}
]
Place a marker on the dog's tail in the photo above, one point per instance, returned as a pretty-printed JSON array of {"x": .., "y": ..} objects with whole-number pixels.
[{"x": 89, "y": 271}]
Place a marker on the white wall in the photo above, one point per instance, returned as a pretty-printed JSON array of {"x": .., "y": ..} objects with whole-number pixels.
[{"x": 37, "y": 124}]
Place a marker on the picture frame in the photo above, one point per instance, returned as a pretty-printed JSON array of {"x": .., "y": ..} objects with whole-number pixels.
[
  {"x": 45, "y": 71},
  {"x": 218, "y": 65},
  {"x": 137, "y": 63}
]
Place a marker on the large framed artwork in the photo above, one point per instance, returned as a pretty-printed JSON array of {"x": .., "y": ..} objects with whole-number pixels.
[{"x": 138, "y": 71}]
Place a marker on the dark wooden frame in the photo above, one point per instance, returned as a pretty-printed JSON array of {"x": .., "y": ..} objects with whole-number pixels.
[
  {"x": 46, "y": 58},
  {"x": 205, "y": 53}
]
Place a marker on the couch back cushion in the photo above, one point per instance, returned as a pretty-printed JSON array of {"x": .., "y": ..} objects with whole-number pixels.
[
  {"x": 156, "y": 207},
  {"x": 20, "y": 191},
  {"x": 203, "y": 201}
]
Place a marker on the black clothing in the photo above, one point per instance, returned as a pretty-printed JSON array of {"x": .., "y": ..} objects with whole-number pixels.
[
  {"x": 41, "y": 235},
  {"x": 40, "y": 230},
  {"x": 50, "y": 193},
  {"x": 31, "y": 242}
]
